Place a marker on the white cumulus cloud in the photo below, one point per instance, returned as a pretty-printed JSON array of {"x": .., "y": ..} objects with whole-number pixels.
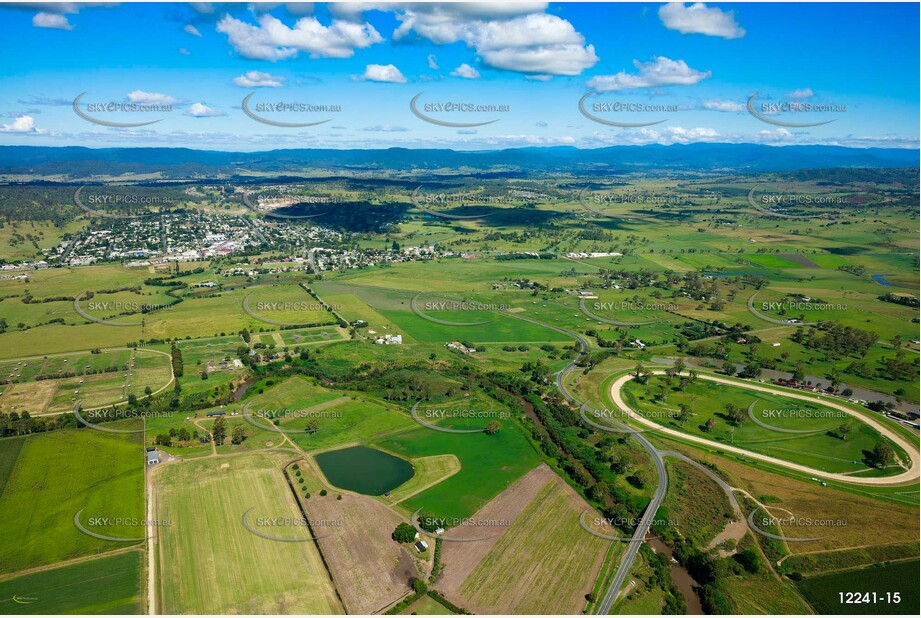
[
  {"x": 382, "y": 73},
  {"x": 22, "y": 124},
  {"x": 466, "y": 71},
  {"x": 200, "y": 110},
  {"x": 511, "y": 37},
  {"x": 151, "y": 98},
  {"x": 49, "y": 20},
  {"x": 801, "y": 93},
  {"x": 273, "y": 40},
  {"x": 659, "y": 72},
  {"x": 258, "y": 79},
  {"x": 720, "y": 105},
  {"x": 698, "y": 18}
]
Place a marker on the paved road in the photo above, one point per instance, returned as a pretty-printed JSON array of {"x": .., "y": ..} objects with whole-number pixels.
[
  {"x": 626, "y": 562},
  {"x": 909, "y": 476}
]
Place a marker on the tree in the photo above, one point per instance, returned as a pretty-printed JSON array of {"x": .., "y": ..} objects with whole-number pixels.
[
  {"x": 640, "y": 373},
  {"x": 219, "y": 432},
  {"x": 684, "y": 413},
  {"x": 749, "y": 559},
  {"x": 678, "y": 366},
  {"x": 735, "y": 414},
  {"x": 404, "y": 533},
  {"x": 843, "y": 430},
  {"x": 419, "y": 586},
  {"x": 238, "y": 435},
  {"x": 245, "y": 334},
  {"x": 710, "y": 424},
  {"x": 492, "y": 428},
  {"x": 882, "y": 455}
]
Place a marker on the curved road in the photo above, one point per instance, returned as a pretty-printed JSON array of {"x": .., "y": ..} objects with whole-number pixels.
[
  {"x": 598, "y": 318},
  {"x": 626, "y": 562},
  {"x": 908, "y": 476},
  {"x": 761, "y": 316}
]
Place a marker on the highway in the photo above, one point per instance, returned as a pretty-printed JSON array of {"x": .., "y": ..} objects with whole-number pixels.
[{"x": 626, "y": 562}]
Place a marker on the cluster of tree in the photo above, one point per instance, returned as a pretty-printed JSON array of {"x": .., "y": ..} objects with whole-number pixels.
[
  {"x": 594, "y": 469},
  {"x": 836, "y": 339},
  {"x": 542, "y": 255},
  {"x": 176, "y": 359},
  {"x": 881, "y": 456},
  {"x": 23, "y": 423},
  {"x": 661, "y": 578},
  {"x": 219, "y": 431},
  {"x": 404, "y": 533},
  {"x": 908, "y": 301},
  {"x": 182, "y": 435}
]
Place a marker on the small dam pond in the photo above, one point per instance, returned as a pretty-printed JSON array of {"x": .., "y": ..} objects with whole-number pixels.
[{"x": 364, "y": 470}]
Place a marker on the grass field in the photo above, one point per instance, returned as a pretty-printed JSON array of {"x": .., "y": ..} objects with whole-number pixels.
[
  {"x": 341, "y": 417},
  {"x": 108, "y": 585},
  {"x": 489, "y": 464},
  {"x": 543, "y": 563},
  {"x": 238, "y": 571},
  {"x": 369, "y": 569},
  {"x": 824, "y": 591},
  {"x": 868, "y": 521},
  {"x": 426, "y": 606},
  {"x": 695, "y": 503},
  {"x": 820, "y": 450},
  {"x": 428, "y": 471},
  {"x": 99, "y": 380},
  {"x": 9, "y": 453},
  {"x": 56, "y": 475}
]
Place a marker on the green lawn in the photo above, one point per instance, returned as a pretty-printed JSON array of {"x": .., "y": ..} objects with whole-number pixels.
[
  {"x": 824, "y": 591},
  {"x": 489, "y": 464},
  {"x": 56, "y": 475},
  {"x": 108, "y": 585},
  {"x": 707, "y": 400}
]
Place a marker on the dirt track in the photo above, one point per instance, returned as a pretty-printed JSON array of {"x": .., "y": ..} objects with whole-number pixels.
[{"x": 909, "y": 476}]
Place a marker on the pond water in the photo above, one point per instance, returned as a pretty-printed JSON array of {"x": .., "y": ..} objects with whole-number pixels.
[
  {"x": 681, "y": 577},
  {"x": 881, "y": 280},
  {"x": 364, "y": 470}
]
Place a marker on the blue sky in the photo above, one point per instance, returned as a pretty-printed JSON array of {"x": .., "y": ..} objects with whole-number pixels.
[{"x": 697, "y": 65}]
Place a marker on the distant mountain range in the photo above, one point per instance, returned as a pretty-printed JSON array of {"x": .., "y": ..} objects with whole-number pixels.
[{"x": 185, "y": 163}]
